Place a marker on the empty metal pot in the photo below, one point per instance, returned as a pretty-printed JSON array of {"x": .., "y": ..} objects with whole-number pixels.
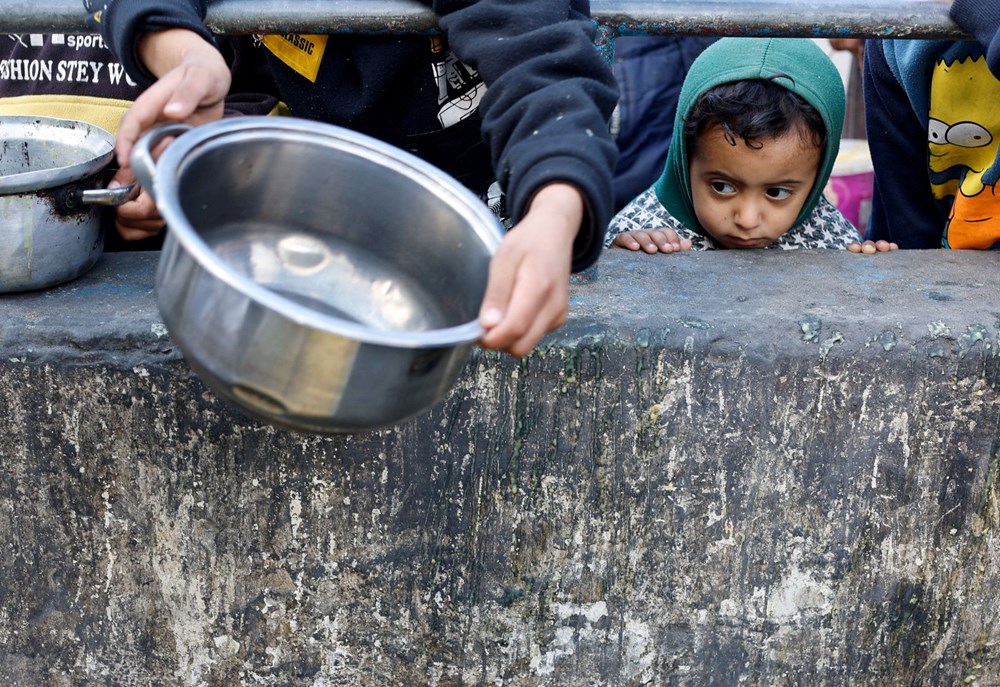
[
  {"x": 318, "y": 278},
  {"x": 50, "y": 224}
]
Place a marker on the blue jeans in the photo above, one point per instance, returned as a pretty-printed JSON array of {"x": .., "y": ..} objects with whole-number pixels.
[{"x": 650, "y": 71}]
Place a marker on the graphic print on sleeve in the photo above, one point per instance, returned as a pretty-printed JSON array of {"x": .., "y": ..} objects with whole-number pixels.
[
  {"x": 459, "y": 87},
  {"x": 963, "y": 136}
]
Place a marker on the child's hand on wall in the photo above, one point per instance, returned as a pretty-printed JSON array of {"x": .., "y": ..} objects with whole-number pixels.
[
  {"x": 652, "y": 241},
  {"x": 869, "y": 247}
]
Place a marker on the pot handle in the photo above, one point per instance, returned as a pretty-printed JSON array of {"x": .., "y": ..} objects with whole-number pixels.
[
  {"x": 108, "y": 196},
  {"x": 143, "y": 164},
  {"x": 72, "y": 198}
]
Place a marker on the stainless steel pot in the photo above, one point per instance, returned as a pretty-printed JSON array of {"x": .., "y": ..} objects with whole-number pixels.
[
  {"x": 319, "y": 279},
  {"x": 50, "y": 226}
]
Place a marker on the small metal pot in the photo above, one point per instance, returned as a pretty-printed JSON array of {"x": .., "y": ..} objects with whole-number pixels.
[
  {"x": 50, "y": 224},
  {"x": 319, "y": 279}
]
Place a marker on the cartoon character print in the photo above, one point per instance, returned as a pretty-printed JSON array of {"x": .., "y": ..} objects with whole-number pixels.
[
  {"x": 459, "y": 87},
  {"x": 963, "y": 136}
]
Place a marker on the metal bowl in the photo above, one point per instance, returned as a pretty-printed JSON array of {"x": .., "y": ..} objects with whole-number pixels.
[
  {"x": 318, "y": 278},
  {"x": 50, "y": 220}
]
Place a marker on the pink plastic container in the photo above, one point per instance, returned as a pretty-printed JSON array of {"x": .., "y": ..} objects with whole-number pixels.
[{"x": 850, "y": 185}]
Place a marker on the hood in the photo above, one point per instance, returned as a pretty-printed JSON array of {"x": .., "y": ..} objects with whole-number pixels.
[{"x": 802, "y": 67}]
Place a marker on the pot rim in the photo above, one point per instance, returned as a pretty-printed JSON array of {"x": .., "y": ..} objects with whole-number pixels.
[
  {"x": 86, "y": 136},
  {"x": 164, "y": 188}
]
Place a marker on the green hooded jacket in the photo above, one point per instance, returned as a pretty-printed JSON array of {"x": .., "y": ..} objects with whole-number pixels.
[{"x": 799, "y": 64}]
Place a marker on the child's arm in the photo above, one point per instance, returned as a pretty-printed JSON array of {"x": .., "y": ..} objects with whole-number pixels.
[
  {"x": 528, "y": 290},
  {"x": 192, "y": 85},
  {"x": 550, "y": 95},
  {"x": 652, "y": 241},
  {"x": 545, "y": 117},
  {"x": 165, "y": 47}
]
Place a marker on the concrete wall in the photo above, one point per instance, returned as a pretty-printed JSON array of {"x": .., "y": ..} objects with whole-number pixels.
[{"x": 758, "y": 468}]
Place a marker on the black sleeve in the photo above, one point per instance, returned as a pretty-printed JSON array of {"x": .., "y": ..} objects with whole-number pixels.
[
  {"x": 122, "y": 23},
  {"x": 253, "y": 90},
  {"x": 903, "y": 207},
  {"x": 550, "y": 95}
]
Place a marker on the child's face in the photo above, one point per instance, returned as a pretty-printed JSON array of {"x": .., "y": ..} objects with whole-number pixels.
[{"x": 746, "y": 197}]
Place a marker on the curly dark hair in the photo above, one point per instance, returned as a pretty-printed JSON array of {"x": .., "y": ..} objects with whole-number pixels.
[{"x": 753, "y": 110}]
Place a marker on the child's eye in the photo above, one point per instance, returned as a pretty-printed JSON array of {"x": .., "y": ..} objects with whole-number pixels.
[
  {"x": 778, "y": 193},
  {"x": 722, "y": 187}
]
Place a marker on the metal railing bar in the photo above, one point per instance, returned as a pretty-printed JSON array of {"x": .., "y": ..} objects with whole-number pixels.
[{"x": 805, "y": 18}]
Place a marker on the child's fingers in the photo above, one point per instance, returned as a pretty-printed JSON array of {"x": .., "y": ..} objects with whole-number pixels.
[
  {"x": 666, "y": 240},
  {"x": 869, "y": 247},
  {"x": 648, "y": 241},
  {"x": 652, "y": 241},
  {"x": 626, "y": 241}
]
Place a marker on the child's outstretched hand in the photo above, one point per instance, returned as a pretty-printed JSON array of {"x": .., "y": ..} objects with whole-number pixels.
[
  {"x": 527, "y": 292},
  {"x": 192, "y": 81},
  {"x": 869, "y": 247},
  {"x": 652, "y": 241}
]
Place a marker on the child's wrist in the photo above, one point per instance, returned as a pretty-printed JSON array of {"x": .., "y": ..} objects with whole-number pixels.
[
  {"x": 562, "y": 204},
  {"x": 161, "y": 51}
]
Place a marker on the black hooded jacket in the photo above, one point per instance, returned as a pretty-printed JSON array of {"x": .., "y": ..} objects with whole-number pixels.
[{"x": 512, "y": 91}]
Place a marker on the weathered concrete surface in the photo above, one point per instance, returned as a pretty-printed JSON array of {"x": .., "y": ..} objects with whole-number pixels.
[{"x": 729, "y": 468}]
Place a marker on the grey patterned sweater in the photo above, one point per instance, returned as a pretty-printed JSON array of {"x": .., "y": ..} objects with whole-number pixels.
[{"x": 826, "y": 227}]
